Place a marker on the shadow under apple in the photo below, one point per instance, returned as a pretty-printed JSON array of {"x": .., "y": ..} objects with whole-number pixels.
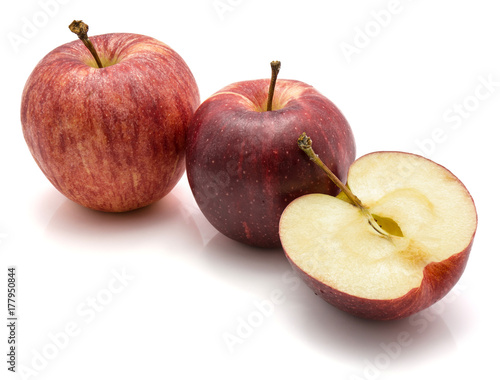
[
  {"x": 408, "y": 342},
  {"x": 252, "y": 269},
  {"x": 413, "y": 341},
  {"x": 166, "y": 223}
]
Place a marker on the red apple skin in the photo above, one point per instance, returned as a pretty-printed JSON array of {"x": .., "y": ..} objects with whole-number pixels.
[
  {"x": 439, "y": 278},
  {"x": 111, "y": 139},
  {"x": 244, "y": 166}
]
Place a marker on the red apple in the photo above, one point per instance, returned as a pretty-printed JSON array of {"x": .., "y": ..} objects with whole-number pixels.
[
  {"x": 111, "y": 138},
  {"x": 396, "y": 247},
  {"x": 242, "y": 161}
]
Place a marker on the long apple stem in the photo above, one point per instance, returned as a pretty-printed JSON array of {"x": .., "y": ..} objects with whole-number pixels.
[
  {"x": 81, "y": 29},
  {"x": 275, "y": 67},
  {"x": 305, "y": 143}
]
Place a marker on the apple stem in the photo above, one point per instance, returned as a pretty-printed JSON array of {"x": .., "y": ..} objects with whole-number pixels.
[
  {"x": 81, "y": 29},
  {"x": 275, "y": 67},
  {"x": 305, "y": 143}
]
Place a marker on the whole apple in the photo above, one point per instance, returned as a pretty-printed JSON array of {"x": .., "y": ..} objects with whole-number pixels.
[
  {"x": 242, "y": 161},
  {"x": 111, "y": 138}
]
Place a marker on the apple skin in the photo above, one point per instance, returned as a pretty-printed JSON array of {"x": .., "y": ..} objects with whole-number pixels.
[
  {"x": 243, "y": 164},
  {"x": 438, "y": 279},
  {"x": 111, "y": 139}
]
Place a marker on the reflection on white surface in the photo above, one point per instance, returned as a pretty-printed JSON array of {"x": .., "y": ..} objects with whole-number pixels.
[
  {"x": 149, "y": 225},
  {"x": 320, "y": 325},
  {"x": 235, "y": 300}
]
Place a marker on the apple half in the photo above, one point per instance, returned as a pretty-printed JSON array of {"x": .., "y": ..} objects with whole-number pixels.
[{"x": 426, "y": 222}]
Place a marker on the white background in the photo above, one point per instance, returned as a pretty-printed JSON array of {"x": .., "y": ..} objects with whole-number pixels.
[{"x": 187, "y": 286}]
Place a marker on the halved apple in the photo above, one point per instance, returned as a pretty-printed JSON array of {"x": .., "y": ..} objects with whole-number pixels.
[{"x": 395, "y": 248}]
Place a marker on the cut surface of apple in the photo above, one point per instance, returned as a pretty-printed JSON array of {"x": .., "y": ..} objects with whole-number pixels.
[{"x": 430, "y": 220}]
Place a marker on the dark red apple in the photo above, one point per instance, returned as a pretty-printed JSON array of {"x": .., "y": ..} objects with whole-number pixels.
[
  {"x": 242, "y": 161},
  {"x": 111, "y": 138}
]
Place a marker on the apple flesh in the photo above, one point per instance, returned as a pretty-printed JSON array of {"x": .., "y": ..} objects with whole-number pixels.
[
  {"x": 430, "y": 220},
  {"x": 111, "y": 138},
  {"x": 243, "y": 165}
]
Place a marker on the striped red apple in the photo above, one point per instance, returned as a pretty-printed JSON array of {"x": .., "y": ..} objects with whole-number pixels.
[{"x": 110, "y": 138}]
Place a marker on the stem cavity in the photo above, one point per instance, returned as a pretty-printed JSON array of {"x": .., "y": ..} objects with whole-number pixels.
[
  {"x": 81, "y": 29},
  {"x": 275, "y": 67}
]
